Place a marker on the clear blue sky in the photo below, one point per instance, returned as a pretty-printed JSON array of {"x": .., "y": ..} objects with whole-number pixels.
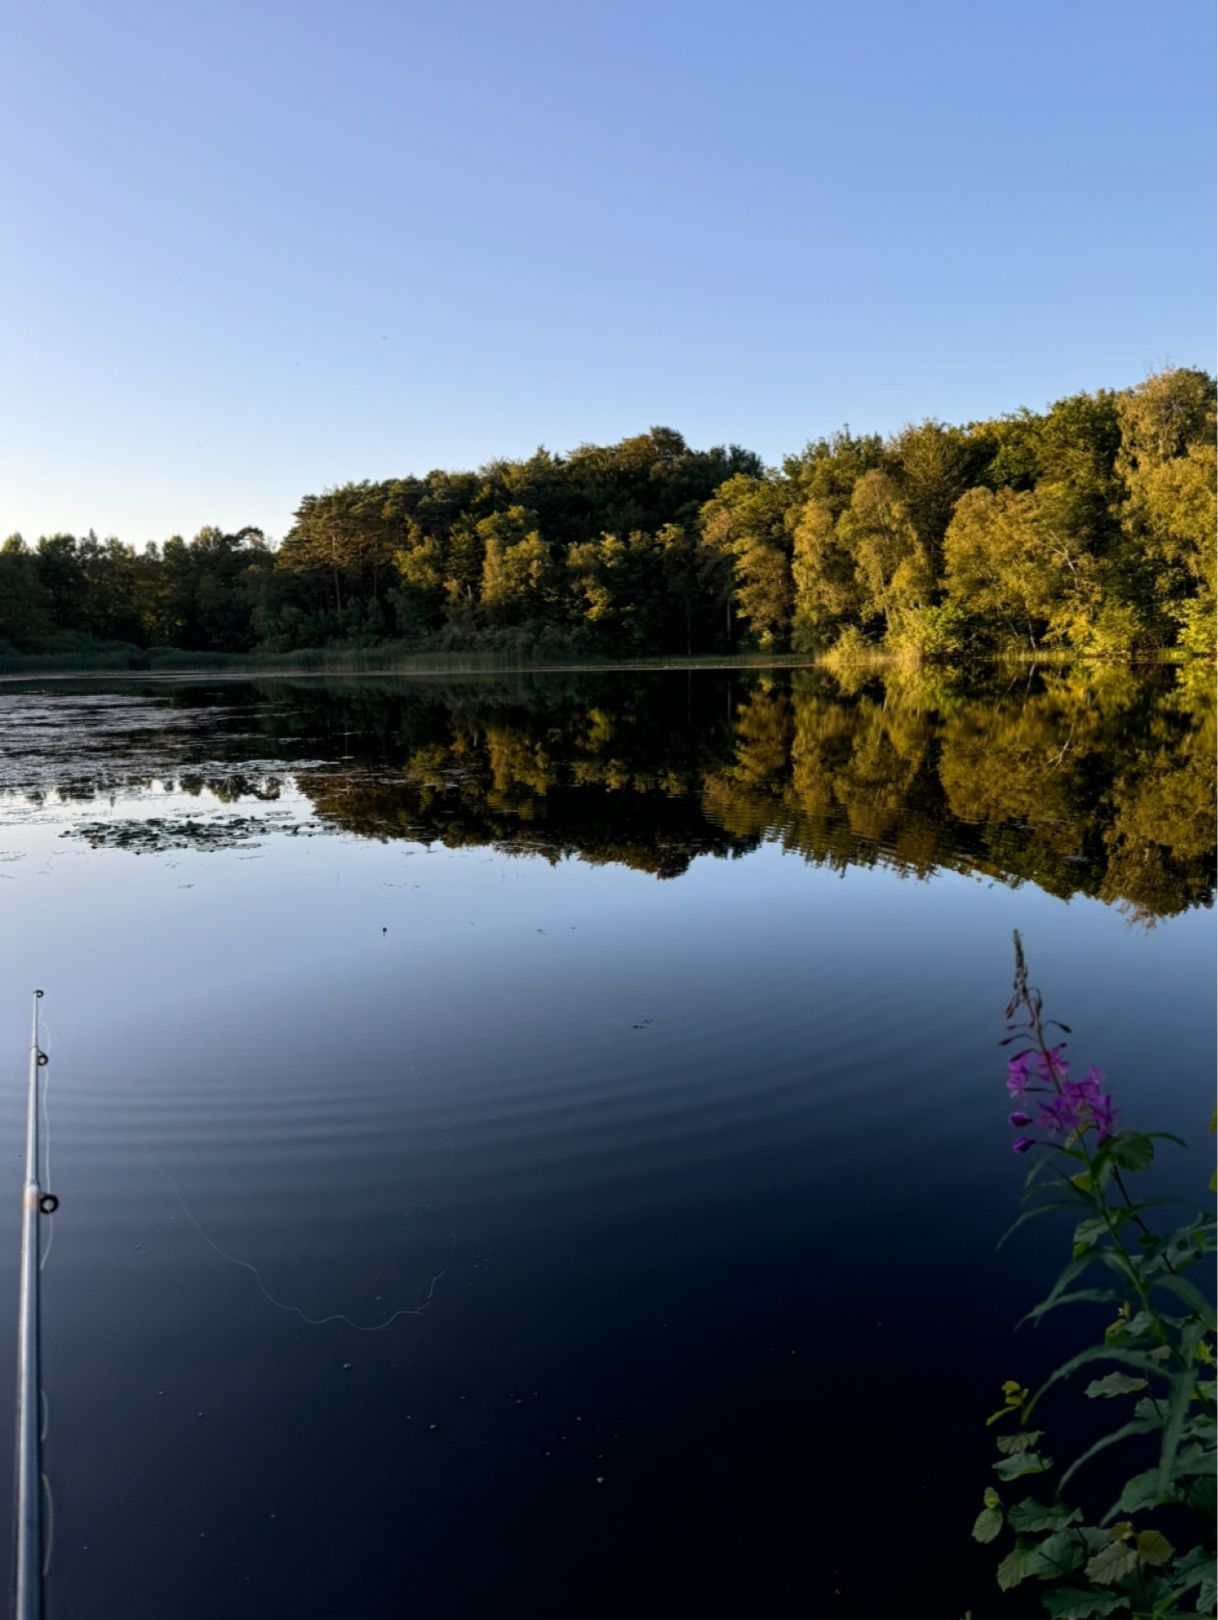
[{"x": 257, "y": 247}]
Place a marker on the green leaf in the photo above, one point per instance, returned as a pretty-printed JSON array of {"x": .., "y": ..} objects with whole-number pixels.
[
  {"x": 1018, "y": 1564},
  {"x": 1029, "y": 1515},
  {"x": 1023, "y": 1462},
  {"x": 1181, "y": 1247},
  {"x": 1208, "y": 1595},
  {"x": 987, "y": 1524},
  {"x": 1077, "y": 1296},
  {"x": 1071, "y": 1270},
  {"x": 1192, "y": 1570},
  {"x": 1130, "y": 1150},
  {"x": 1087, "y": 1234},
  {"x": 1192, "y": 1296},
  {"x": 1075, "y": 1603},
  {"x": 1117, "y": 1264},
  {"x": 1138, "y": 1324},
  {"x": 1096, "y": 1352},
  {"x": 1097, "y": 1539},
  {"x": 991, "y": 1497},
  {"x": 1177, "y": 1412},
  {"x": 1154, "y": 1548},
  {"x": 1114, "y": 1383},
  {"x": 1201, "y": 1494},
  {"x": 1193, "y": 1460},
  {"x": 1062, "y": 1552},
  {"x": 1141, "y": 1492},
  {"x": 1117, "y": 1560},
  {"x": 1125, "y": 1433},
  {"x": 1023, "y": 1440},
  {"x": 1042, "y": 1166},
  {"x": 1031, "y": 1214},
  {"x": 1197, "y": 1458}
]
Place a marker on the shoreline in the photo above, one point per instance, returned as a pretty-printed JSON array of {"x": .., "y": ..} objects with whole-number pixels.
[{"x": 675, "y": 664}]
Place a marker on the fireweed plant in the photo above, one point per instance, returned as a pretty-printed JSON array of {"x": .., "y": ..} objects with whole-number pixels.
[{"x": 1151, "y": 1552}]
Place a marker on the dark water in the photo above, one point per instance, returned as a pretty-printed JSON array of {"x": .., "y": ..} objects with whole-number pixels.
[{"x": 633, "y": 1037}]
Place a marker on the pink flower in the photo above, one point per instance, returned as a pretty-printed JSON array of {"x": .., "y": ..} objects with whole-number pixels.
[
  {"x": 1104, "y": 1116},
  {"x": 1017, "y": 1075},
  {"x": 1087, "y": 1089},
  {"x": 1059, "y": 1114},
  {"x": 1052, "y": 1065}
]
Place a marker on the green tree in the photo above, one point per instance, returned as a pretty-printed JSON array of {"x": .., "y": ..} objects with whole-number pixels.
[
  {"x": 518, "y": 579},
  {"x": 934, "y": 465},
  {"x": 891, "y": 564},
  {"x": 827, "y": 592},
  {"x": 24, "y": 615},
  {"x": 747, "y": 521},
  {"x": 1166, "y": 464},
  {"x": 1013, "y": 558},
  {"x": 828, "y": 469}
]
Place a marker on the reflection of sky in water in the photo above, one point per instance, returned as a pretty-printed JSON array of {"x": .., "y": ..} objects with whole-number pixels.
[{"x": 708, "y": 1164}]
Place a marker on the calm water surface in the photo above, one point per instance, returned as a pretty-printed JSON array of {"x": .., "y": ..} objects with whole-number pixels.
[{"x": 627, "y": 1046}]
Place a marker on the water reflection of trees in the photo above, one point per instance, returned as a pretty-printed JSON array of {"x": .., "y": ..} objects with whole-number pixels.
[
  {"x": 1081, "y": 783},
  {"x": 1095, "y": 781},
  {"x": 614, "y": 780}
]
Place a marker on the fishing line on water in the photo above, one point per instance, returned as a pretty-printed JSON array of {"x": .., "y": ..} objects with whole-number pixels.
[
  {"x": 232, "y": 1259},
  {"x": 295, "y": 1310},
  {"x": 44, "y": 1173}
]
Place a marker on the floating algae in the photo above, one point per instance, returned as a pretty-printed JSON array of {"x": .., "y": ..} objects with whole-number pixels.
[{"x": 157, "y": 834}]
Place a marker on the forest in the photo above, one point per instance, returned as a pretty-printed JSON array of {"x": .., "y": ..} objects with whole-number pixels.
[{"x": 1086, "y": 527}]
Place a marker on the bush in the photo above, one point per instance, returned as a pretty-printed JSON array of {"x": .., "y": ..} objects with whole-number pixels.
[
  {"x": 1198, "y": 632},
  {"x": 945, "y": 631}
]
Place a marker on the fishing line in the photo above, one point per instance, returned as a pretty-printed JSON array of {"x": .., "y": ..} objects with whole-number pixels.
[
  {"x": 235, "y": 1260},
  {"x": 295, "y": 1310}
]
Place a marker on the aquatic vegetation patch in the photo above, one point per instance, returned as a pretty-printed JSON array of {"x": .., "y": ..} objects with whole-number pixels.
[{"x": 155, "y": 835}]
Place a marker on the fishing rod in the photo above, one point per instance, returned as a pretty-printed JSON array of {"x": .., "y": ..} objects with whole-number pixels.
[{"x": 28, "y": 1569}]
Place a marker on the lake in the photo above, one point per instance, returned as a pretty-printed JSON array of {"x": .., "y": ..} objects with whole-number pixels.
[{"x": 536, "y": 1145}]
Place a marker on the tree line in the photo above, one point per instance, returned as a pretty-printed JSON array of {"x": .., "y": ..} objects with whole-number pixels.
[{"x": 1087, "y": 526}]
